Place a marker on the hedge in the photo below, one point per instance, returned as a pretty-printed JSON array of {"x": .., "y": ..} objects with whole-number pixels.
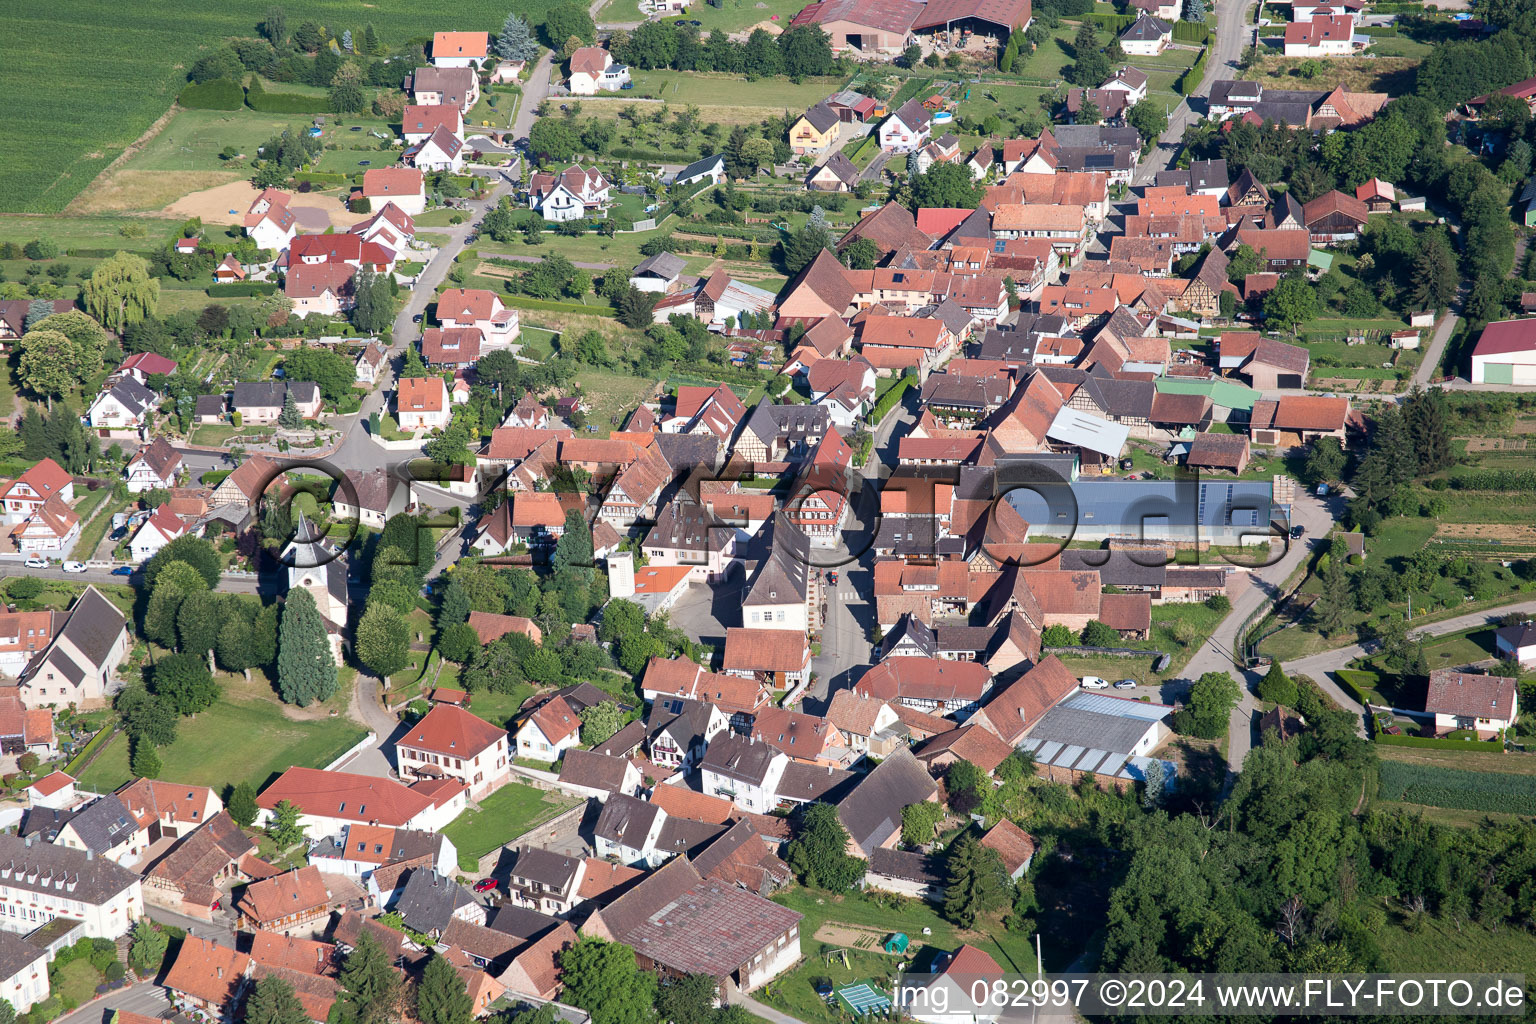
[
  {"x": 1191, "y": 32},
  {"x": 632, "y": 153},
  {"x": 243, "y": 289},
  {"x": 288, "y": 103},
  {"x": 219, "y": 94},
  {"x": 1190, "y": 80},
  {"x": 1351, "y": 680},
  {"x": 1116, "y": 23},
  {"x": 321, "y": 178},
  {"x": 889, "y": 399}
]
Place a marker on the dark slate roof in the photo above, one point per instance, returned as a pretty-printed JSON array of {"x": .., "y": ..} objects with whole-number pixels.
[
  {"x": 909, "y": 627},
  {"x": 263, "y": 394},
  {"x": 680, "y": 718},
  {"x": 810, "y": 783},
  {"x": 104, "y": 824},
  {"x": 546, "y": 866},
  {"x": 686, "y": 837},
  {"x": 871, "y": 812},
  {"x": 914, "y": 536},
  {"x": 132, "y": 395},
  {"x": 96, "y": 879},
  {"x": 17, "y": 954},
  {"x": 687, "y": 452},
  {"x": 521, "y": 922},
  {"x": 699, "y": 166},
  {"x": 592, "y": 769},
  {"x": 1118, "y": 567},
  {"x": 911, "y": 867},
  {"x": 626, "y": 819},
  {"x": 624, "y": 742},
  {"x": 45, "y": 822},
  {"x": 429, "y": 900},
  {"x": 209, "y": 405},
  {"x": 738, "y": 757},
  {"x": 783, "y": 572}
]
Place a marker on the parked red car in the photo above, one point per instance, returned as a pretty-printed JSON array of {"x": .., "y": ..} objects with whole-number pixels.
[{"x": 485, "y": 885}]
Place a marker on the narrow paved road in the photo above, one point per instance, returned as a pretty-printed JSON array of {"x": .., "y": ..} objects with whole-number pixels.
[
  {"x": 1232, "y": 33},
  {"x": 1427, "y": 370},
  {"x": 145, "y": 998},
  {"x": 1255, "y": 589},
  {"x": 1318, "y": 666}
]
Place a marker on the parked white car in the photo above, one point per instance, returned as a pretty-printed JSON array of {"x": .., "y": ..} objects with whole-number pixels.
[
  {"x": 37, "y": 562},
  {"x": 1094, "y": 683},
  {"x": 74, "y": 567}
]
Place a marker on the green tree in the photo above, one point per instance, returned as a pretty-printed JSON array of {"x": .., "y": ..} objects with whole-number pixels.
[
  {"x": 121, "y": 291},
  {"x": 966, "y": 784},
  {"x": 374, "y": 306},
  {"x": 89, "y": 338},
  {"x": 442, "y": 997},
  {"x": 919, "y": 822},
  {"x": 978, "y": 883},
  {"x": 946, "y": 185},
  {"x": 1289, "y": 303},
  {"x": 1435, "y": 275},
  {"x": 515, "y": 41},
  {"x": 273, "y": 1001},
  {"x": 600, "y": 721},
  {"x": 48, "y": 364},
  {"x": 1334, "y": 600},
  {"x": 1277, "y": 687},
  {"x": 1097, "y": 634},
  {"x": 383, "y": 640},
  {"x": 146, "y": 717},
  {"x": 306, "y": 669},
  {"x": 289, "y": 418},
  {"x": 242, "y": 805},
  {"x": 818, "y": 854},
  {"x": 370, "y": 986},
  {"x": 274, "y": 27},
  {"x": 603, "y": 978},
  {"x": 861, "y": 254},
  {"x": 194, "y": 551},
  {"x": 687, "y": 1000},
  {"x": 184, "y": 682},
  {"x": 1425, "y": 414},
  {"x": 145, "y": 762},
  {"x": 565, "y": 20},
  {"x": 1325, "y": 461},
  {"x": 234, "y": 646},
  {"x": 346, "y": 95},
  {"x": 458, "y": 642},
  {"x": 148, "y": 946},
  {"x": 284, "y": 828},
  {"x": 1211, "y": 700},
  {"x": 1058, "y": 636},
  {"x": 199, "y": 618},
  {"x": 804, "y": 246}
]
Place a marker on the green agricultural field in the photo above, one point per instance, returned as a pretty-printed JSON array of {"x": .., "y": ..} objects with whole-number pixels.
[
  {"x": 1439, "y": 786},
  {"x": 193, "y": 139},
  {"x": 734, "y": 16},
  {"x": 89, "y": 78},
  {"x": 236, "y": 740},
  {"x": 719, "y": 90}
]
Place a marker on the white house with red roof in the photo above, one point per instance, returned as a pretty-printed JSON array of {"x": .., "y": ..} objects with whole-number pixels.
[
  {"x": 329, "y": 801},
  {"x": 570, "y": 195},
  {"x": 550, "y": 731},
  {"x": 51, "y": 530},
  {"x": 155, "y": 533},
  {"x": 143, "y": 365},
  {"x": 440, "y": 151},
  {"x": 353, "y": 250},
  {"x": 460, "y": 49},
  {"x": 156, "y": 465},
  {"x": 593, "y": 71},
  {"x": 1323, "y": 35},
  {"x": 422, "y": 403},
  {"x": 320, "y": 289},
  {"x": 391, "y": 227},
  {"x": 55, "y": 791},
  {"x": 482, "y": 309},
  {"x": 406, "y": 187},
  {"x": 421, "y": 120},
  {"x": 269, "y": 223},
  {"x": 28, "y": 492},
  {"x": 452, "y": 743},
  {"x": 1471, "y": 701},
  {"x": 958, "y": 992}
]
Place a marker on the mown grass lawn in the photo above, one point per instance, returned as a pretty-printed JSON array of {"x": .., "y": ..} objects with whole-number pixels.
[
  {"x": 236, "y": 740},
  {"x": 503, "y": 816},
  {"x": 497, "y": 708}
]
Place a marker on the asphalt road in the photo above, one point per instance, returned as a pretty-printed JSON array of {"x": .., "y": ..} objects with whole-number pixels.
[
  {"x": 1257, "y": 588},
  {"x": 1318, "y": 666},
  {"x": 146, "y": 998}
]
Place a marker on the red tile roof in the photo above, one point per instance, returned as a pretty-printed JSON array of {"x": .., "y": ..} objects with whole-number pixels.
[{"x": 453, "y": 731}]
